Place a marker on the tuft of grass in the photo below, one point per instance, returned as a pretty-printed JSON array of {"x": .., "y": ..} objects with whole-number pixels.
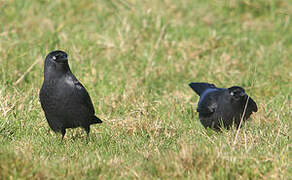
[{"x": 136, "y": 59}]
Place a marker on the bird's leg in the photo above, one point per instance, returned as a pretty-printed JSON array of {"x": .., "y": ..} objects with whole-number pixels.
[
  {"x": 87, "y": 129},
  {"x": 63, "y": 131}
]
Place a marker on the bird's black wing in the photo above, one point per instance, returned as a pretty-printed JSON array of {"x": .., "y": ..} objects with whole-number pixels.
[
  {"x": 83, "y": 95},
  {"x": 208, "y": 103},
  {"x": 252, "y": 105},
  {"x": 199, "y": 88}
]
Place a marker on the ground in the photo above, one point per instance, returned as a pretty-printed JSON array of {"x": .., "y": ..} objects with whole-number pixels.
[{"x": 136, "y": 59}]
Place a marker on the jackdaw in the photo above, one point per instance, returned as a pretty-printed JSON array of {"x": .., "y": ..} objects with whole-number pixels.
[
  {"x": 222, "y": 106},
  {"x": 65, "y": 101}
]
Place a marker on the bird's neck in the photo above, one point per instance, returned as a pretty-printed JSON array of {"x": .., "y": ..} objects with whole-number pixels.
[{"x": 53, "y": 73}]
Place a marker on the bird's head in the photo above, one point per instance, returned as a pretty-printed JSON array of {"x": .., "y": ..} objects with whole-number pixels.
[
  {"x": 59, "y": 57},
  {"x": 56, "y": 61},
  {"x": 237, "y": 93}
]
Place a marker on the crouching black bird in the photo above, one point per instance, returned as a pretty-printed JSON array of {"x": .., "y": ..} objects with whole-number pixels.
[
  {"x": 65, "y": 101},
  {"x": 221, "y": 106}
]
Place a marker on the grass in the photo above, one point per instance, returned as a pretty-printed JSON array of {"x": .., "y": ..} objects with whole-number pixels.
[{"x": 136, "y": 59}]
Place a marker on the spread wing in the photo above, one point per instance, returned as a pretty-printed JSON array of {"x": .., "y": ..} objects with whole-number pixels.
[{"x": 200, "y": 88}]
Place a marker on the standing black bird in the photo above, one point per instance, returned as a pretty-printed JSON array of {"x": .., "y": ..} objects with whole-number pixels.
[
  {"x": 65, "y": 101},
  {"x": 221, "y": 106}
]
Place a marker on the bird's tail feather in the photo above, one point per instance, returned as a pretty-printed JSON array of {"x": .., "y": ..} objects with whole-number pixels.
[
  {"x": 199, "y": 88},
  {"x": 95, "y": 120}
]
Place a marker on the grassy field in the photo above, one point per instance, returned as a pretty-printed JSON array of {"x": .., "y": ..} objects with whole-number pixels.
[{"x": 136, "y": 59}]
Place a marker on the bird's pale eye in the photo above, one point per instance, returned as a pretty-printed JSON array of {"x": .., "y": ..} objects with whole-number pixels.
[
  {"x": 54, "y": 57},
  {"x": 231, "y": 93}
]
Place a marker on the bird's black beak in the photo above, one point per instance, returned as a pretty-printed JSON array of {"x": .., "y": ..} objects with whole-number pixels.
[
  {"x": 62, "y": 60},
  {"x": 242, "y": 94}
]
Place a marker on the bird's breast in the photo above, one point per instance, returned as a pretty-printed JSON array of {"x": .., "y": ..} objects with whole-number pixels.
[{"x": 56, "y": 94}]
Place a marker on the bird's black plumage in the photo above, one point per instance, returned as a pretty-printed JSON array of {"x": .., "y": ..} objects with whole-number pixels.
[
  {"x": 222, "y": 106},
  {"x": 65, "y": 101}
]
